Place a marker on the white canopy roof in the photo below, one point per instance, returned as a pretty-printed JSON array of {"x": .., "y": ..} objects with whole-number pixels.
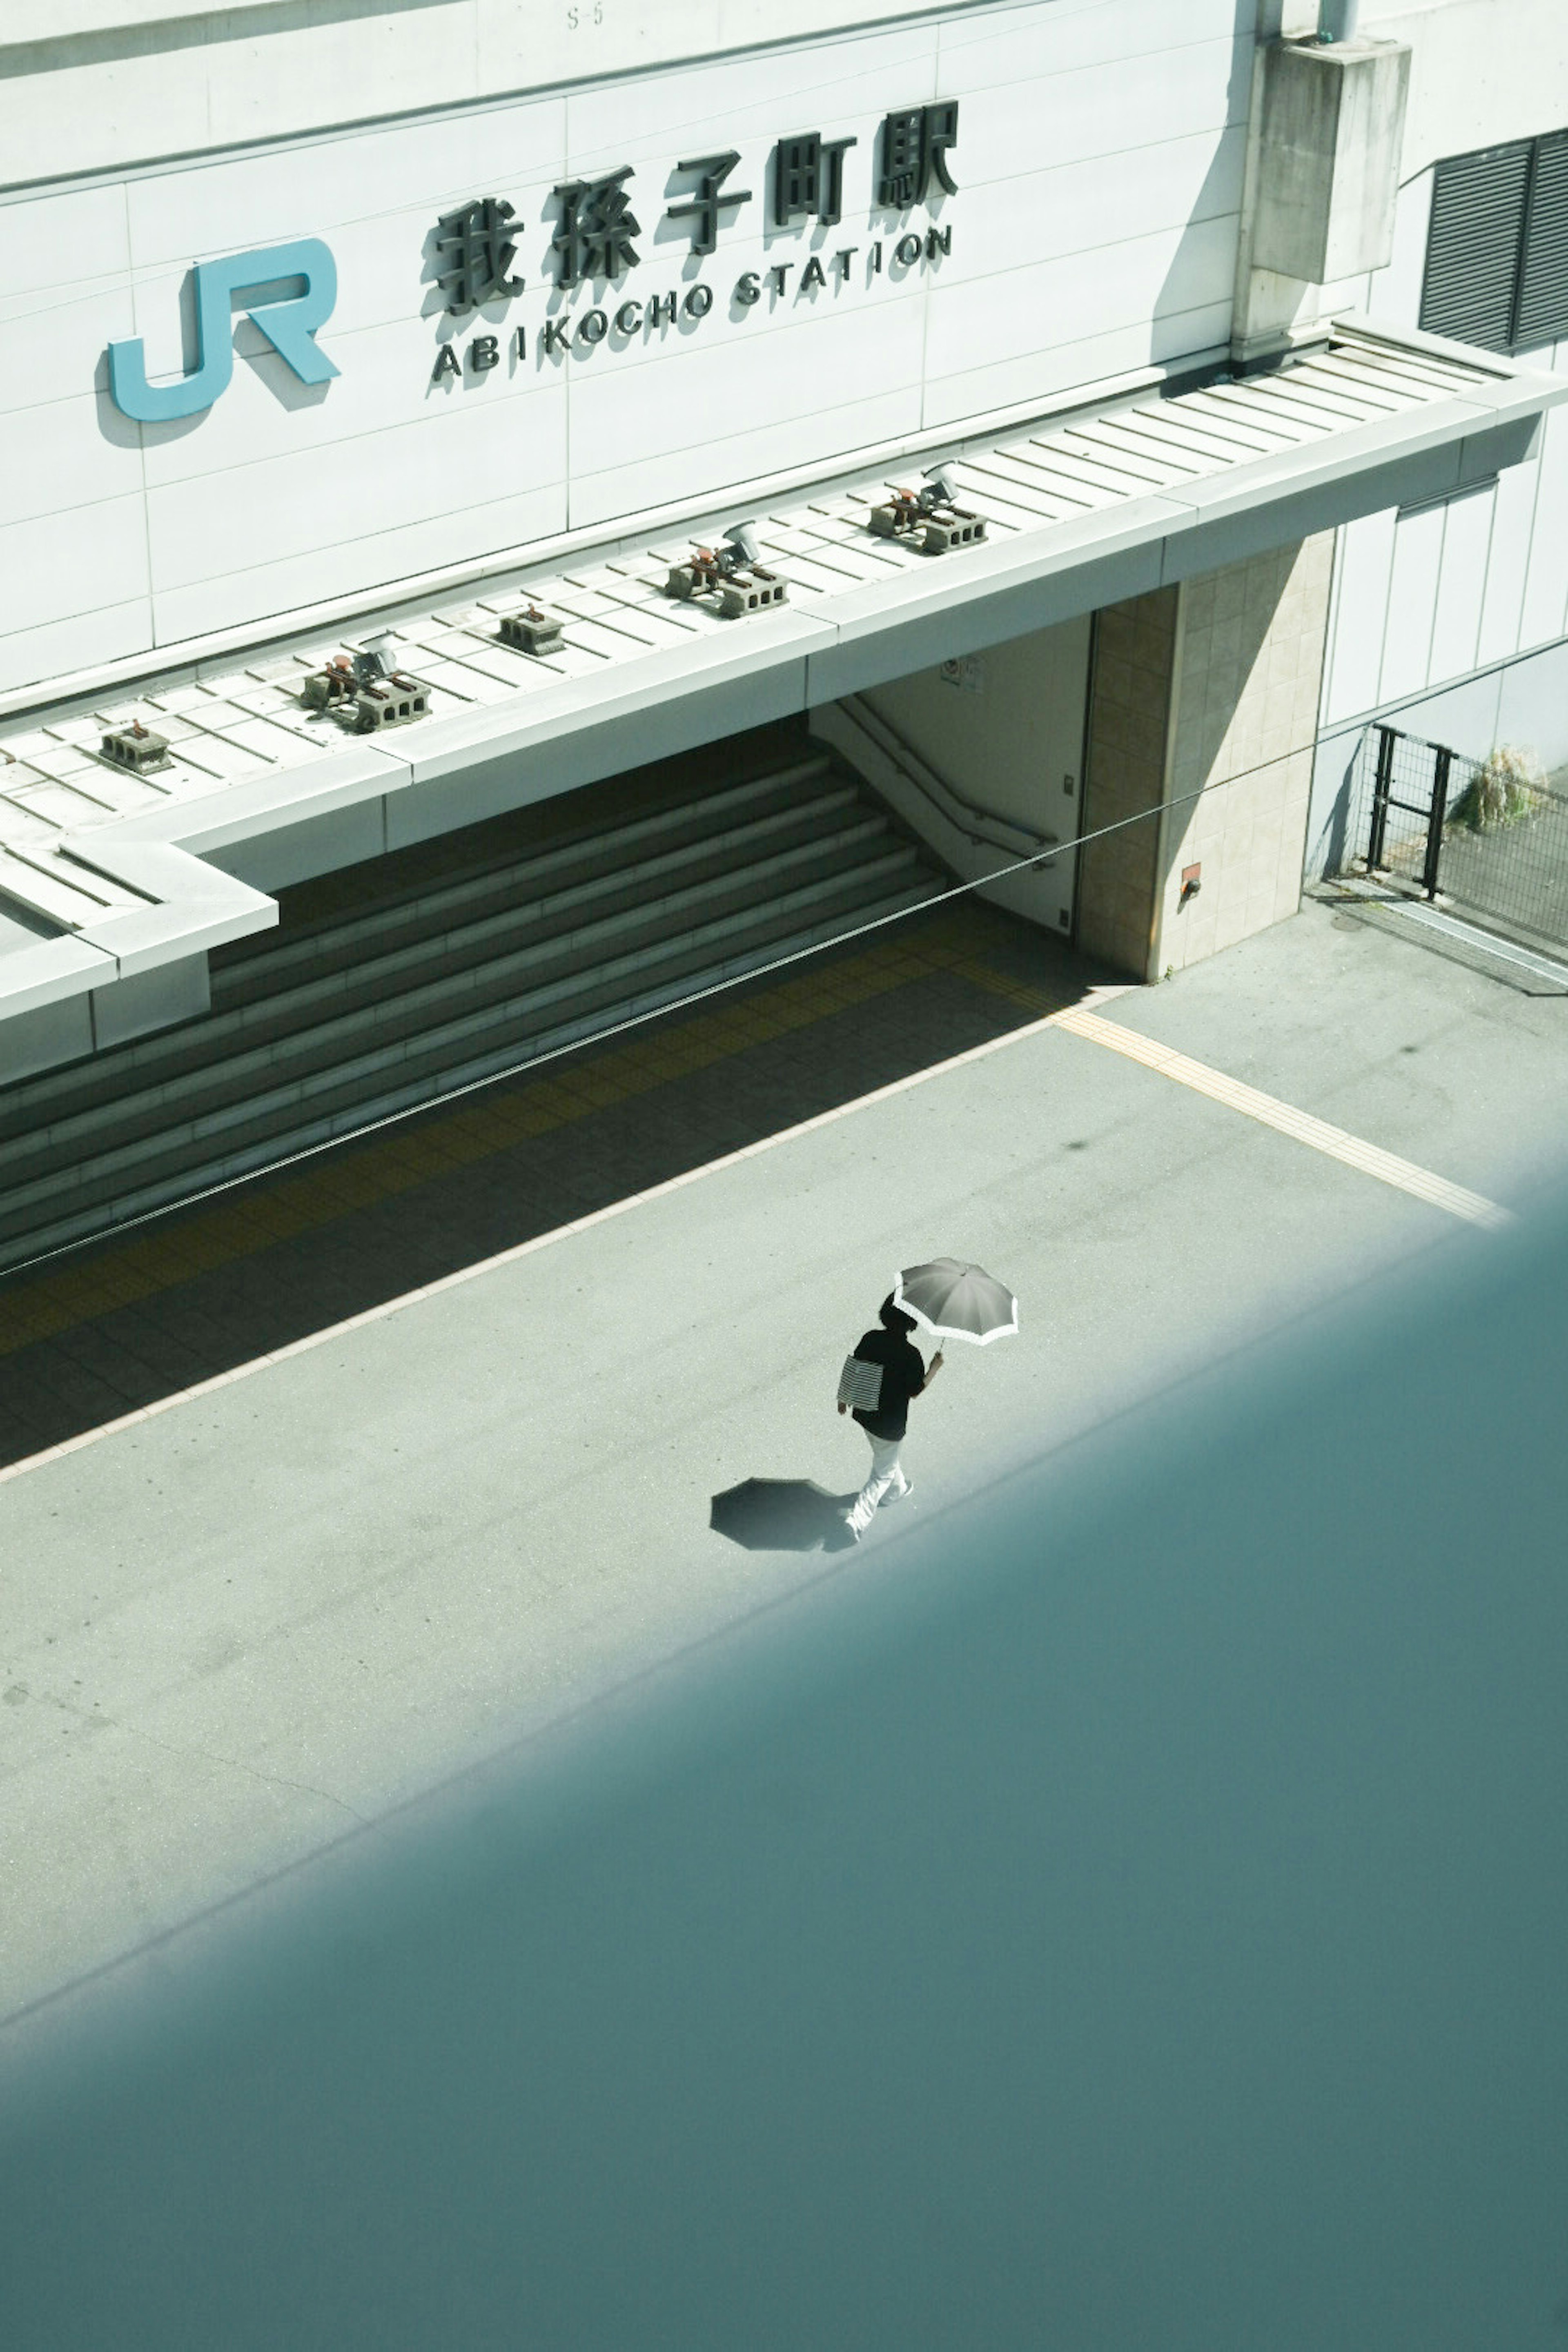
[{"x": 102, "y": 873}]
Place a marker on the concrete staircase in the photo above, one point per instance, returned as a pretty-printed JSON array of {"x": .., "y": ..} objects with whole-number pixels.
[{"x": 374, "y": 998}]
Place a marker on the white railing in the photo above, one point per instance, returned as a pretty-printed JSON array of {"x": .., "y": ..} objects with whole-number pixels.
[{"x": 978, "y": 825}]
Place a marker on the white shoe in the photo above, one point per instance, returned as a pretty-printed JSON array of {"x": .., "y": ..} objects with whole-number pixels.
[{"x": 907, "y": 1488}]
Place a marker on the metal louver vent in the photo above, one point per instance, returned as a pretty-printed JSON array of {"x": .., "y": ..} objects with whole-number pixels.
[
  {"x": 1541, "y": 314},
  {"x": 1472, "y": 247}
]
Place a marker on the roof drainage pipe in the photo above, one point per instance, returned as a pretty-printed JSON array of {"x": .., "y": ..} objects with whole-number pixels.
[{"x": 1337, "y": 20}]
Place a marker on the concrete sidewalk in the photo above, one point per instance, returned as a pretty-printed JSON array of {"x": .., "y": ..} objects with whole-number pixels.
[{"x": 242, "y": 1628}]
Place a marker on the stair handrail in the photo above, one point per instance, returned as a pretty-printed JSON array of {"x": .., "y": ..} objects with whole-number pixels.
[{"x": 944, "y": 797}]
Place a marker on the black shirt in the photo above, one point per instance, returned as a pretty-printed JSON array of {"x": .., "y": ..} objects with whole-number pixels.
[{"x": 903, "y": 1377}]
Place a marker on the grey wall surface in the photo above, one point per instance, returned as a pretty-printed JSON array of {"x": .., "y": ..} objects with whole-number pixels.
[
  {"x": 1007, "y": 735},
  {"x": 1006, "y": 729},
  {"x": 1125, "y": 1913}
]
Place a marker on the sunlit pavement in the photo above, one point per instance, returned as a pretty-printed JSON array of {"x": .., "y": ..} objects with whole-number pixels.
[{"x": 258, "y": 1616}]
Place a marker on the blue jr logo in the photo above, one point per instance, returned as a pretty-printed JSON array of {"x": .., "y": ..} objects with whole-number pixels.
[{"x": 288, "y": 323}]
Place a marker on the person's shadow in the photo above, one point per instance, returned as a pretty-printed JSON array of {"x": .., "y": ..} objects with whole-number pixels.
[{"x": 781, "y": 1515}]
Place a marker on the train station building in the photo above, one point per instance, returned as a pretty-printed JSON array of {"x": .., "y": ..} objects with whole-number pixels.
[{"x": 506, "y": 524}]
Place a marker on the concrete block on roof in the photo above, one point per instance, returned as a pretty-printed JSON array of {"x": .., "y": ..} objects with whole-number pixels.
[{"x": 1332, "y": 129}]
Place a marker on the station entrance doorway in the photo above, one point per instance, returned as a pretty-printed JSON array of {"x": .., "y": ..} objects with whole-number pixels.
[
  {"x": 982, "y": 757},
  {"x": 395, "y": 981}
]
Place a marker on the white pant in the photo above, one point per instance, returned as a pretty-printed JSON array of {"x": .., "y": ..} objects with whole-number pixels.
[{"x": 886, "y": 1471}]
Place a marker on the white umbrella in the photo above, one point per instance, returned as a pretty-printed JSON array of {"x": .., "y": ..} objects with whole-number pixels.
[{"x": 957, "y": 1301}]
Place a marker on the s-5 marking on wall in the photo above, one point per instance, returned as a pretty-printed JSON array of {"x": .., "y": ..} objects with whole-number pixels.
[{"x": 288, "y": 321}]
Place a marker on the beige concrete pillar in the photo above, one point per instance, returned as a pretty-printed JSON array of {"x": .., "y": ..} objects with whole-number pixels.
[
  {"x": 1204, "y": 713},
  {"x": 1128, "y": 724}
]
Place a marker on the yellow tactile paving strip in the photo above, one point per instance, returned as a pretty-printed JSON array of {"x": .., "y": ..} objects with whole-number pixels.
[
  {"x": 337, "y": 1182},
  {"x": 1301, "y": 1126}
]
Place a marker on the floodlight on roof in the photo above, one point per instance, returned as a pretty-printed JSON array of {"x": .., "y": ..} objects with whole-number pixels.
[
  {"x": 935, "y": 521},
  {"x": 743, "y": 538}
]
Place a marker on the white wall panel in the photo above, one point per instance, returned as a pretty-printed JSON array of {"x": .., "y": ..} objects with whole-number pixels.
[
  {"x": 234, "y": 77},
  {"x": 1200, "y": 269},
  {"x": 1177, "y": 184},
  {"x": 42, "y": 574},
  {"x": 293, "y": 581},
  {"x": 1098, "y": 168},
  {"x": 708, "y": 469},
  {"x": 1461, "y": 584},
  {"x": 1099, "y": 359},
  {"x": 1069, "y": 116},
  {"x": 1176, "y": 334},
  {"x": 85, "y": 114},
  {"x": 1513, "y": 519},
  {"x": 54, "y": 459},
  {"x": 334, "y": 496},
  {"x": 1366, "y": 564},
  {"x": 358, "y": 175},
  {"x": 619, "y": 418},
  {"x": 1546, "y": 577},
  {"x": 81, "y": 642},
  {"x": 55, "y": 349},
  {"x": 63, "y": 242},
  {"x": 1022, "y": 44},
  {"x": 1394, "y": 292},
  {"x": 411, "y": 66},
  {"x": 1484, "y": 602},
  {"x": 1079, "y": 294},
  {"x": 1482, "y": 71},
  {"x": 1412, "y": 603},
  {"x": 842, "y": 92},
  {"x": 267, "y": 414},
  {"x": 1345, "y": 294}
]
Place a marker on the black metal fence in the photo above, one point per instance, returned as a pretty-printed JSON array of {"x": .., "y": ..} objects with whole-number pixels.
[{"x": 1483, "y": 834}]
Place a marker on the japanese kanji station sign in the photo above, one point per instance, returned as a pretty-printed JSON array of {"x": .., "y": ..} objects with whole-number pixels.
[
  {"x": 594, "y": 244},
  {"x": 596, "y": 233}
]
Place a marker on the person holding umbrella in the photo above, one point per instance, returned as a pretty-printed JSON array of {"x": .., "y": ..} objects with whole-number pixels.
[
  {"x": 884, "y": 1416},
  {"x": 953, "y": 1300}
]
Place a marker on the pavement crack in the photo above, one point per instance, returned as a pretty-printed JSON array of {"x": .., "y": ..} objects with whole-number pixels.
[{"x": 237, "y": 1764}]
